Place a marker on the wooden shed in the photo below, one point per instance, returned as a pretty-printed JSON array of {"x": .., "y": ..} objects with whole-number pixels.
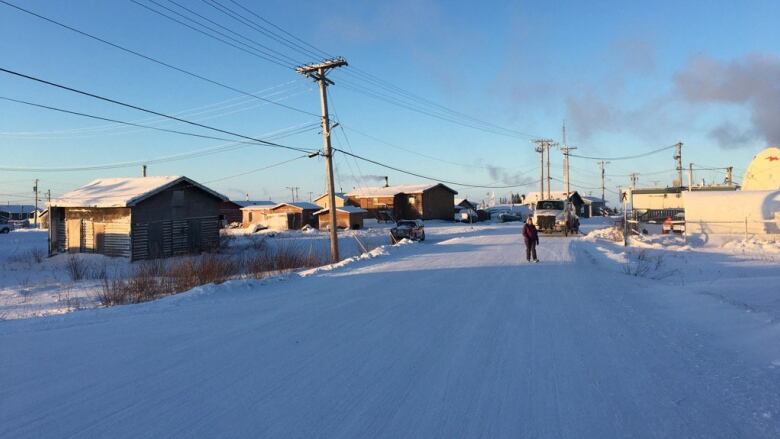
[
  {"x": 426, "y": 201},
  {"x": 138, "y": 218},
  {"x": 347, "y": 217}
]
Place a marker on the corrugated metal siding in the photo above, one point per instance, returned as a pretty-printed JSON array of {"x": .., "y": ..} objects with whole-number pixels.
[
  {"x": 176, "y": 237},
  {"x": 117, "y": 239}
]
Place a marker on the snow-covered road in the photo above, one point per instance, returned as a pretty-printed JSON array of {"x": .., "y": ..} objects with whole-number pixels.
[{"x": 457, "y": 337}]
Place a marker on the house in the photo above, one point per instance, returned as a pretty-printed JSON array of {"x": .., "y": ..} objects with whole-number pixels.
[
  {"x": 464, "y": 203},
  {"x": 18, "y": 212},
  {"x": 573, "y": 197},
  {"x": 139, "y": 218},
  {"x": 594, "y": 206},
  {"x": 254, "y": 212},
  {"x": 302, "y": 213},
  {"x": 425, "y": 201},
  {"x": 341, "y": 200},
  {"x": 347, "y": 217}
]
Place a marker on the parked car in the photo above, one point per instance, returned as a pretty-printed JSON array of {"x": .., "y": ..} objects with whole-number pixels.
[
  {"x": 5, "y": 227},
  {"x": 408, "y": 229},
  {"x": 466, "y": 216}
]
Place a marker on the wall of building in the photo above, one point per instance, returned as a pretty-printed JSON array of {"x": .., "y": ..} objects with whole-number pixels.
[
  {"x": 302, "y": 216},
  {"x": 180, "y": 220},
  {"x": 741, "y": 212},
  {"x": 344, "y": 220},
  {"x": 90, "y": 230},
  {"x": 657, "y": 201}
]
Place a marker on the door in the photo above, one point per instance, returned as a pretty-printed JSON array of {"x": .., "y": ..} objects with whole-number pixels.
[
  {"x": 100, "y": 237},
  {"x": 154, "y": 240},
  {"x": 194, "y": 237},
  {"x": 74, "y": 235}
]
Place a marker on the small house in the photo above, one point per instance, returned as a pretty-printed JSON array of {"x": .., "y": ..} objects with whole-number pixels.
[
  {"x": 594, "y": 206},
  {"x": 255, "y": 212},
  {"x": 347, "y": 217},
  {"x": 341, "y": 200},
  {"x": 302, "y": 211},
  {"x": 139, "y": 218},
  {"x": 426, "y": 201}
]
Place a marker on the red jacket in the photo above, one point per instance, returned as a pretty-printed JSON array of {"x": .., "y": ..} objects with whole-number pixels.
[{"x": 530, "y": 234}]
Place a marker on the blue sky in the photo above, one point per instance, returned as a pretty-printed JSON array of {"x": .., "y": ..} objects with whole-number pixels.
[{"x": 627, "y": 77}]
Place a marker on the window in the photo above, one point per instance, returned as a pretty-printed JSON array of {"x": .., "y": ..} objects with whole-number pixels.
[
  {"x": 177, "y": 200},
  {"x": 411, "y": 200}
]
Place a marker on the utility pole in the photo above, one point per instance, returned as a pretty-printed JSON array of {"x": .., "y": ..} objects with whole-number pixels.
[
  {"x": 603, "y": 175},
  {"x": 48, "y": 197},
  {"x": 293, "y": 190},
  {"x": 634, "y": 179},
  {"x": 566, "y": 178},
  {"x": 540, "y": 150},
  {"x": 310, "y": 196},
  {"x": 678, "y": 157},
  {"x": 730, "y": 175},
  {"x": 387, "y": 181},
  {"x": 35, "y": 189},
  {"x": 318, "y": 72},
  {"x": 690, "y": 176},
  {"x": 542, "y": 146},
  {"x": 143, "y": 171}
]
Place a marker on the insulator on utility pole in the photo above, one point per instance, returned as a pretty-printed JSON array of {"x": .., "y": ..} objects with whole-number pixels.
[{"x": 318, "y": 72}]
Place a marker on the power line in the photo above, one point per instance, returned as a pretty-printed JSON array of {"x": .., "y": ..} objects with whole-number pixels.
[
  {"x": 434, "y": 109},
  {"x": 256, "y": 170},
  {"x": 280, "y": 59},
  {"x": 166, "y": 130},
  {"x": 431, "y": 178},
  {"x": 154, "y": 60},
  {"x": 135, "y": 107},
  {"x": 628, "y": 157}
]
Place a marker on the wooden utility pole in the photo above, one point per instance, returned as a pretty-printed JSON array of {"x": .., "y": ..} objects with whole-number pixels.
[
  {"x": 318, "y": 72},
  {"x": 603, "y": 175},
  {"x": 35, "y": 189},
  {"x": 566, "y": 178},
  {"x": 730, "y": 175},
  {"x": 678, "y": 158},
  {"x": 293, "y": 191},
  {"x": 543, "y": 146},
  {"x": 634, "y": 179}
]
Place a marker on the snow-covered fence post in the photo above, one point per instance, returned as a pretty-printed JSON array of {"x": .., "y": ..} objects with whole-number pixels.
[{"x": 746, "y": 229}]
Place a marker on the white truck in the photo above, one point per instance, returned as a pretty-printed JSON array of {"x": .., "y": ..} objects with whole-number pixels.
[{"x": 556, "y": 216}]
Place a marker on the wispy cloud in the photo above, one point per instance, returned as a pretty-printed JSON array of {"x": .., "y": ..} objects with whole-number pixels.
[{"x": 752, "y": 81}]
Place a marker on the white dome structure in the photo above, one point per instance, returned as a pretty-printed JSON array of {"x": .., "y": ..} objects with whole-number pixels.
[{"x": 763, "y": 172}]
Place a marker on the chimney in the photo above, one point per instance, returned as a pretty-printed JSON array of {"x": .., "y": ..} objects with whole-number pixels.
[
  {"x": 144, "y": 170},
  {"x": 387, "y": 181}
]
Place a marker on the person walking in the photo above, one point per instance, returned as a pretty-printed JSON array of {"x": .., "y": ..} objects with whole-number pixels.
[{"x": 531, "y": 237}]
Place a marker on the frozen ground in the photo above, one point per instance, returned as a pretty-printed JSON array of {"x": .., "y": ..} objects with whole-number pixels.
[{"x": 454, "y": 337}]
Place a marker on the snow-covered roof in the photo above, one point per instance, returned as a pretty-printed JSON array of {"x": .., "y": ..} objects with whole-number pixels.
[
  {"x": 590, "y": 199},
  {"x": 122, "y": 192},
  {"x": 389, "y": 191},
  {"x": 301, "y": 205},
  {"x": 258, "y": 204},
  {"x": 348, "y": 209},
  {"x": 341, "y": 195}
]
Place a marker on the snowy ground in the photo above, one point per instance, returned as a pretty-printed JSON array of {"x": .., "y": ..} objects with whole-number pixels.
[
  {"x": 33, "y": 285},
  {"x": 453, "y": 337}
]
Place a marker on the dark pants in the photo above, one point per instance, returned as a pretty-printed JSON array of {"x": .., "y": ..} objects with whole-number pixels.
[{"x": 530, "y": 250}]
